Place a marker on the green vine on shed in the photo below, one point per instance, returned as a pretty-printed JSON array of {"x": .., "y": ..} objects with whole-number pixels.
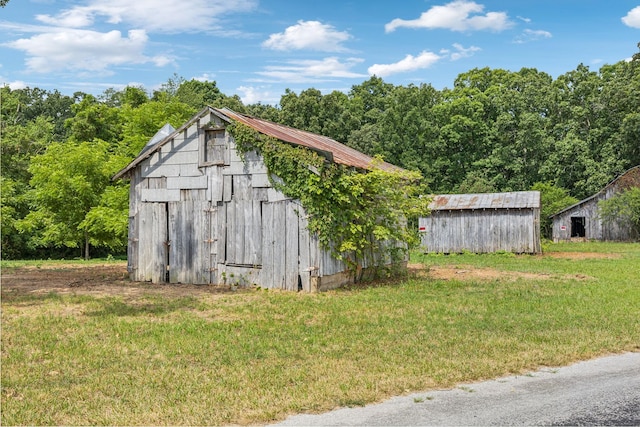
[{"x": 354, "y": 213}]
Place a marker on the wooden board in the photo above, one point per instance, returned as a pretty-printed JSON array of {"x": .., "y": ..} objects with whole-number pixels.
[
  {"x": 152, "y": 242},
  {"x": 189, "y": 233},
  {"x": 244, "y": 232}
]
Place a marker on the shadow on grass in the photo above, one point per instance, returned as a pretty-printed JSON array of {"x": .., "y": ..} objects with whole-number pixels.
[{"x": 115, "y": 307}]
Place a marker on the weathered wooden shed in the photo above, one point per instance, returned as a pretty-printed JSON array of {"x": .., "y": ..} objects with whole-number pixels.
[
  {"x": 581, "y": 221},
  {"x": 482, "y": 223},
  {"x": 201, "y": 214}
]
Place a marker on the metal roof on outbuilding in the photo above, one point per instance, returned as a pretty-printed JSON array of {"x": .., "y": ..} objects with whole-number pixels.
[{"x": 509, "y": 200}]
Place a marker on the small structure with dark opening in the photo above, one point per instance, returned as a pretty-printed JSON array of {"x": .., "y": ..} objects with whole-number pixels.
[
  {"x": 582, "y": 221},
  {"x": 482, "y": 223}
]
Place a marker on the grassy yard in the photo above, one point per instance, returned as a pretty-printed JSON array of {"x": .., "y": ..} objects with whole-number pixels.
[{"x": 257, "y": 356}]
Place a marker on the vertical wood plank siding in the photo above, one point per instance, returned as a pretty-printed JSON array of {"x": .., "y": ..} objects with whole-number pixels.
[
  {"x": 481, "y": 231},
  {"x": 152, "y": 242}
]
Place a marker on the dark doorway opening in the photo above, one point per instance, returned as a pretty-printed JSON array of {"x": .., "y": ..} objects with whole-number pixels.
[{"x": 578, "y": 226}]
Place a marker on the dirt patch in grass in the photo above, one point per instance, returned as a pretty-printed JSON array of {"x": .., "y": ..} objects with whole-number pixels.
[
  {"x": 465, "y": 272},
  {"x": 96, "y": 280}
]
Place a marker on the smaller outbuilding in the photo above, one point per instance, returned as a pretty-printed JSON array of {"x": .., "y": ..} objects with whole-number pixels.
[
  {"x": 582, "y": 220},
  {"x": 482, "y": 223}
]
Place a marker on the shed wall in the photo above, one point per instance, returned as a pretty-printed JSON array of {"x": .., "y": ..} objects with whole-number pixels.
[{"x": 481, "y": 231}]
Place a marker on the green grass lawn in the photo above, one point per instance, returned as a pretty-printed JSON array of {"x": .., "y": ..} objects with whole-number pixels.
[{"x": 257, "y": 356}]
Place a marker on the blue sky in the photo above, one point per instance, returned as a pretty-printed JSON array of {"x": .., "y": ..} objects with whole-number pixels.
[{"x": 258, "y": 48}]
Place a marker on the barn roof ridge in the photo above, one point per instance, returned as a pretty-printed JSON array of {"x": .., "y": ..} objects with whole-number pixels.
[
  {"x": 339, "y": 153},
  {"x": 603, "y": 189}
]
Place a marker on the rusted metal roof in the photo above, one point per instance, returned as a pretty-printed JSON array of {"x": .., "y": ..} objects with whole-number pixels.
[
  {"x": 510, "y": 200},
  {"x": 339, "y": 153}
]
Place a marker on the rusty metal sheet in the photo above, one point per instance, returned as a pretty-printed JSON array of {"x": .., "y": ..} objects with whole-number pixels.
[
  {"x": 509, "y": 200},
  {"x": 339, "y": 152}
]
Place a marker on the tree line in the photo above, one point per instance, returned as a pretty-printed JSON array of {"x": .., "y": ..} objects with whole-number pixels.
[{"x": 494, "y": 130}]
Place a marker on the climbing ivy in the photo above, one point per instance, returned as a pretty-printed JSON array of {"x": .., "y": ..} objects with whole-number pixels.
[{"x": 354, "y": 213}]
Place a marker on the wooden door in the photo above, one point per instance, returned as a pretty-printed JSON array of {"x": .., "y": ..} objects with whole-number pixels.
[
  {"x": 190, "y": 237},
  {"x": 152, "y": 243}
]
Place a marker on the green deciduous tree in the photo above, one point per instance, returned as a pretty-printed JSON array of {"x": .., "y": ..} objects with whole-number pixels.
[
  {"x": 68, "y": 181},
  {"x": 94, "y": 119}
]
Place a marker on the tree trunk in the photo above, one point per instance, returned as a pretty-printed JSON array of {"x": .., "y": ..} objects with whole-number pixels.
[{"x": 86, "y": 246}]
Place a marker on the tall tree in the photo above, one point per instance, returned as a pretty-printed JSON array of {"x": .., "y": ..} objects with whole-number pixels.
[{"x": 68, "y": 180}]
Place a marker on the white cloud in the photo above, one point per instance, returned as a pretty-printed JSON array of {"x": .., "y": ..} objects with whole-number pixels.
[
  {"x": 313, "y": 70},
  {"x": 409, "y": 63},
  {"x": 83, "y": 50},
  {"x": 14, "y": 85},
  {"x": 254, "y": 95},
  {"x": 532, "y": 35},
  {"x": 462, "y": 52},
  {"x": 459, "y": 15},
  {"x": 206, "y": 77},
  {"x": 71, "y": 18},
  {"x": 632, "y": 18},
  {"x": 312, "y": 35},
  {"x": 163, "y": 16}
]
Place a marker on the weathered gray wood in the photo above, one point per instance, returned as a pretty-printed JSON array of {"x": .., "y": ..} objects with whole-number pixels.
[
  {"x": 275, "y": 195},
  {"x": 215, "y": 141},
  {"x": 152, "y": 242},
  {"x": 178, "y": 158},
  {"x": 260, "y": 180},
  {"x": 135, "y": 193},
  {"x": 242, "y": 187},
  {"x": 159, "y": 170},
  {"x": 159, "y": 195},
  {"x": 253, "y": 232},
  {"x": 212, "y": 244},
  {"x": 227, "y": 187},
  {"x": 260, "y": 194},
  {"x": 182, "y": 144},
  {"x": 187, "y": 182},
  {"x": 156, "y": 183},
  {"x": 132, "y": 247},
  {"x": 268, "y": 245},
  {"x": 221, "y": 234},
  {"x": 304, "y": 242},
  {"x": 193, "y": 195},
  {"x": 292, "y": 251},
  {"x": 244, "y": 232},
  {"x": 274, "y": 240},
  {"x": 190, "y": 169},
  {"x": 189, "y": 253},
  {"x": 236, "y": 168},
  {"x": 480, "y": 231},
  {"x": 216, "y": 183}
]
